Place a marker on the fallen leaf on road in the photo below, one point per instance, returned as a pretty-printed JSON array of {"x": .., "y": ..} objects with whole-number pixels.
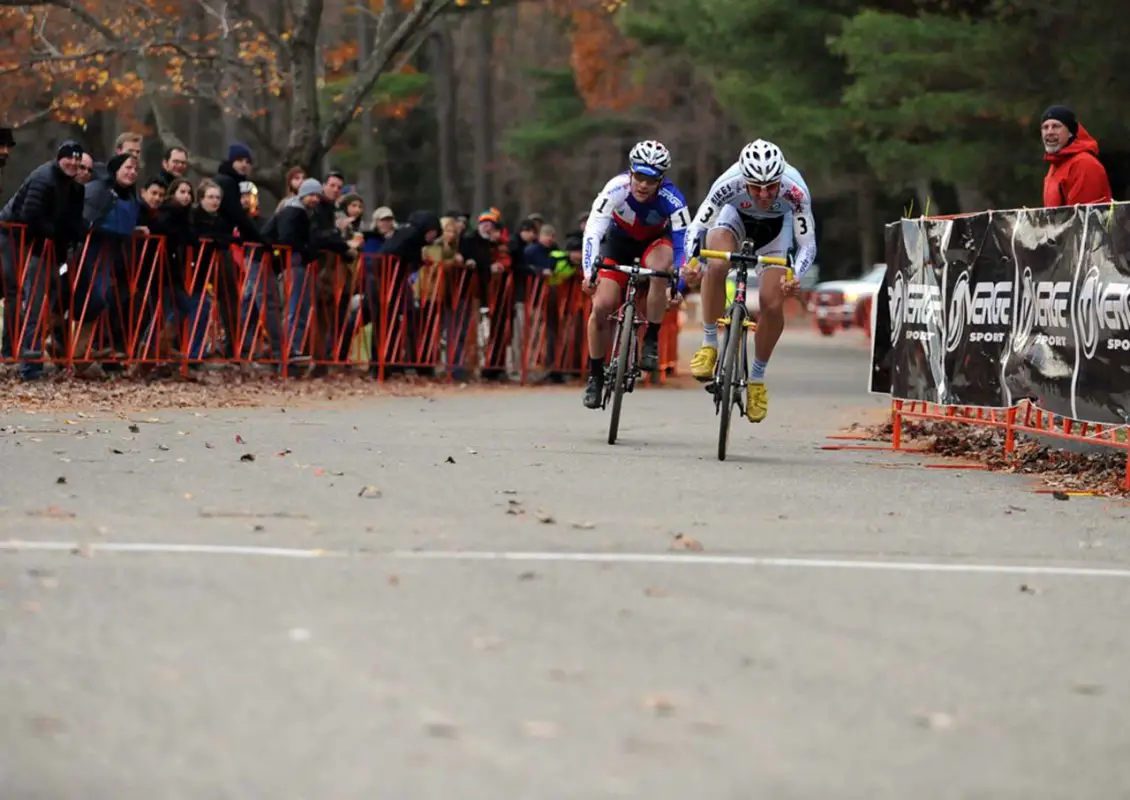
[
  {"x": 258, "y": 528},
  {"x": 1087, "y": 689},
  {"x": 539, "y": 730},
  {"x": 652, "y": 591},
  {"x": 208, "y": 445},
  {"x": 682, "y": 542},
  {"x": 393, "y": 580},
  {"x": 247, "y": 457},
  {"x": 936, "y": 720},
  {"x": 660, "y": 704},
  {"x": 284, "y": 453},
  {"x": 544, "y": 517},
  {"x": 441, "y": 729},
  {"x": 163, "y": 447},
  {"x": 369, "y": 492},
  {"x": 135, "y": 429},
  {"x": 450, "y": 460},
  {"x": 472, "y": 450},
  {"x": 60, "y": 479},
  {"x": 527, "y": 576},
  {"x": 83, "y": 550},
  {"x": 187, "y": 495},
  {"x": 1026, "y": 589},
  {"x": 52, "y": 512},
  {"x": 116, "y": 451},
  {"x": 239, "y": 439},
  {"x": 319, "y": 472},
  {"x": 584, "y": 526},
  {"x": 508, "y": 491}
]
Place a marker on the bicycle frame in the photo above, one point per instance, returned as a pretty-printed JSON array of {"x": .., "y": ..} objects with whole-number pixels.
[
  {"x": 636, "y": 275},
  {"x": 730, "y": 379}
]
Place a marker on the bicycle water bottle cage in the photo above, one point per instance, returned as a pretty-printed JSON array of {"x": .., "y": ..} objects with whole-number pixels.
[{"x": 748, "y": 247}]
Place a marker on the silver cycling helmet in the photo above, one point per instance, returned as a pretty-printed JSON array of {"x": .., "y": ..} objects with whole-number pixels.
[
  {"x": 762, "y": 162},
  {"x": 650, "y": 158}
]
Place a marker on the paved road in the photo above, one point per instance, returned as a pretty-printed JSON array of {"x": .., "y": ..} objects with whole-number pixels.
[{"x": 402, "y": 664}]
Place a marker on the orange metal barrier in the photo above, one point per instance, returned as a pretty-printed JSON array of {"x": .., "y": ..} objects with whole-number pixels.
[
  {"x": 1022, "y": 418},
  {"x": 133, "y": 302}
]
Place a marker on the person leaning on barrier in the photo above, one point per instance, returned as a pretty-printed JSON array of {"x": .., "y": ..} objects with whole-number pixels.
[
  {"x": 1075, "y": 174},
  {"x": 406, "y": 245},
  {"x": 49, "y": 202}
]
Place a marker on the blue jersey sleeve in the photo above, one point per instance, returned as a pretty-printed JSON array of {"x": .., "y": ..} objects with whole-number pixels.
[{"x": 675, "y": 207}]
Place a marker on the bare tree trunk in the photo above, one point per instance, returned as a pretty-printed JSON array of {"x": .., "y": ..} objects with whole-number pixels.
[
  {"x": 971, "y": 199},
  {"x": 483, "y": 111},
  {"x": 440, "y": 55},
  {"x": 868, "y": 227},
  {"x": 227, "y": 85},
  {"x": 367, "y": 177},
  {"x": 922, "y": 197}
]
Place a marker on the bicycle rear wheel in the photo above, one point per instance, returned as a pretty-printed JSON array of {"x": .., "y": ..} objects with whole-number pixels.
[
  {"x": 623, "y": 348},
  {"x": 734, "y": 331}
]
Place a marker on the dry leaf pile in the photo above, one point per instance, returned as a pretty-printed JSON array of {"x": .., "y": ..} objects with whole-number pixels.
[
  {"x": 220, "y": 390},
  {"x": 1101, "y": 472}
]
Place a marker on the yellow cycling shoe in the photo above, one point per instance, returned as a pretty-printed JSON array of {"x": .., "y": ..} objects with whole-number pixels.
[
  {"x": 702, "y": 362},
  {"x": 756, "y": 401}
]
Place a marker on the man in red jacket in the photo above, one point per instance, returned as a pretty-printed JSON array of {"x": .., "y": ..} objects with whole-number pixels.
[{"x": 1075, "y": 176}]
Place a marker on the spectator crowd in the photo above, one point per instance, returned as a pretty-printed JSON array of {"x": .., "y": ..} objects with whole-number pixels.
[{"x": 114, "y": 262}]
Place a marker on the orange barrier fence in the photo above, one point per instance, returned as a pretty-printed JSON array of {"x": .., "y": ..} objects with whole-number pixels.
[
  {"x": 1023, "y": 418},
  {"x": 135, "y": 302}
]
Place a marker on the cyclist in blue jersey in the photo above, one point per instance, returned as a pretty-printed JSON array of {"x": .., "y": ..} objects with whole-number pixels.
[{"x": 638, "y": 214}]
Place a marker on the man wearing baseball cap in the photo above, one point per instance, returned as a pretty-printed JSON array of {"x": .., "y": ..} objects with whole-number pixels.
[{"x": 1075, "y": 175}]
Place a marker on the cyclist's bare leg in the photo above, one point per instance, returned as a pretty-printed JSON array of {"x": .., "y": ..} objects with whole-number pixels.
[
  {"x": 713, "y": 302},
  {"x": 605, "y": 300},
  {"x": 771, "y": 318},
  {"x": 604, "y": 304},
  {"x": 660, "y": 257},
  {"x": 714, "y": 278}
]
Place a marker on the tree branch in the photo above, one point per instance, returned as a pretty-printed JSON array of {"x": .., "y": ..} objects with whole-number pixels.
[{"x": 401, "y": 43}]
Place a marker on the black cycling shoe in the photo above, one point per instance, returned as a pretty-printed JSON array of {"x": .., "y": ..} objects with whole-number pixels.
[
  {"x": 593, "y": 391},
  {"x": 649, "y": 358}
]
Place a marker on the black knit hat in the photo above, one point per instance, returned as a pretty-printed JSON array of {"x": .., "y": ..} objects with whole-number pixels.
[
  {"x": 115, "y": 163},
  {"x": 1062, "y": 114},
  {"x": 69, "y": 149}
]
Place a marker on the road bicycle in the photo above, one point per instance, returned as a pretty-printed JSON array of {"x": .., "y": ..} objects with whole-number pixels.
[
  {"x": 623, "y": 367},
  {"x": 727, "y": 387}
]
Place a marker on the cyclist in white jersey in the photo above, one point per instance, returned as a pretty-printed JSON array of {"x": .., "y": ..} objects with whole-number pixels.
[{"x": 762, "y": 199}]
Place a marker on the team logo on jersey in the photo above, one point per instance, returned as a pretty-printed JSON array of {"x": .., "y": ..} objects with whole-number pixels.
[
  {"x": 744, "y": 204},
  {"x": 795, "y": 195}
]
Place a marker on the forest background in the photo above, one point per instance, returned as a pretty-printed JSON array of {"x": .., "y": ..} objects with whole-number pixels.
[{"x": 530, "y": 105}]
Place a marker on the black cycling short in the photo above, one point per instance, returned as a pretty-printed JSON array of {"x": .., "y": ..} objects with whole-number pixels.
[
  {"x": 761, "y": 230},
  {"x": 625, "y": 250}
]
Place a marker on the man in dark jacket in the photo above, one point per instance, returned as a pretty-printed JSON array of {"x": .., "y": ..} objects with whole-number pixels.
[
  {"x": 50, "y": 204},
  {"x": 234, "y": 217}
]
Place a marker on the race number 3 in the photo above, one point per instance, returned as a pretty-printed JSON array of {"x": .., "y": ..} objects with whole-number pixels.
[
  {"x": 803, "y": 225},
  {"x": 706, "y": 215}
]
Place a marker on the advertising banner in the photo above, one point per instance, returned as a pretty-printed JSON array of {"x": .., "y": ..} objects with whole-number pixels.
[{"x": 989, "y": 309}]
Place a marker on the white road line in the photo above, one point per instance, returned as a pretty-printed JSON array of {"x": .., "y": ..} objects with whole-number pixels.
[
  {"x": 757, "y": 561},
  {"x": 689, "y": 559},
  {"x": 168, "y": 549}
]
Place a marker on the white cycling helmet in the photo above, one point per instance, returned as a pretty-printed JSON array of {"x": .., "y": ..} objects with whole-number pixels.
[
  {"x": 762, "y": 162},
  {"x": 650, "y": 157}
]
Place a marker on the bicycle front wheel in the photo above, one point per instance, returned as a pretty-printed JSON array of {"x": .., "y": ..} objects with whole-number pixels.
[
  {"x": 734, "y": 331},
  {"x": 624, "y": 349}
]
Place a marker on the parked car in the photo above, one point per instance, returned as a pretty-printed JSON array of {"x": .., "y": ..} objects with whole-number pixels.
[{"x": 833, "y": 303}]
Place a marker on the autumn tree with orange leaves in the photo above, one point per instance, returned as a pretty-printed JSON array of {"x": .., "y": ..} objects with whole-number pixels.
[{"x": 67, "y": 59}]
